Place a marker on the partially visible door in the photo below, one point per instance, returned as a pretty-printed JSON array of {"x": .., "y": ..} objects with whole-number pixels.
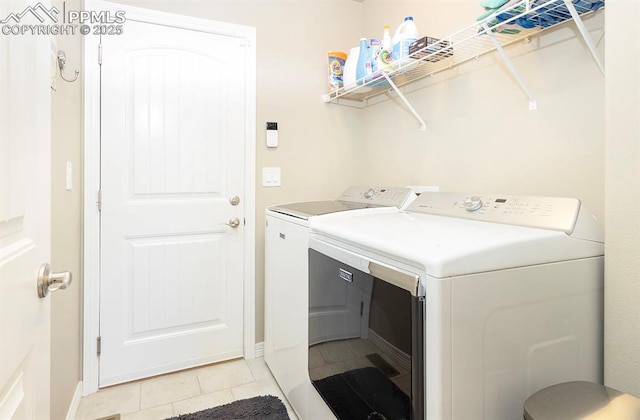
[
  {"x": 25, "y": 231},
  {"x": 172, "y": 153}
]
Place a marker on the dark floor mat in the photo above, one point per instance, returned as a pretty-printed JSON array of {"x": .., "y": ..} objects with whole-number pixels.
[
  {"x": 265, "y": 407},
  {"x": 364, "y": 394}
]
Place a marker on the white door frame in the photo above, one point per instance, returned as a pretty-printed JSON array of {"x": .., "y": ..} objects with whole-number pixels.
[{"x": 91, "y": 258}]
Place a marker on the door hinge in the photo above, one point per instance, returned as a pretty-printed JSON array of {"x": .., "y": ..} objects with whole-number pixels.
[
  {"x": 99, "y": 202},
  {"x": 100, "y": 54},
  {"x": 99, "y": 345},
  {"x": 361, "y": 308}
]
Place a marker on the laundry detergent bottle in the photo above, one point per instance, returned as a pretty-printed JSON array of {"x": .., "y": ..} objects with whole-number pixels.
[
  {"x": 385, "y": 58},
  {"x": 350, "y": 67},
  {"x": 406, "y": 34},
  {"x": 363, "y": 61}
]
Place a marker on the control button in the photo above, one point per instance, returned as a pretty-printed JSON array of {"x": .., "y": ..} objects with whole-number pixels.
[
  {"x": 472, "y": 203},
  {"x": 369, "y": 193}
]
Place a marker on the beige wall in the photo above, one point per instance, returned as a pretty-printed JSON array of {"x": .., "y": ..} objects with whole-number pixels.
[
  {"x": 66, "y": 218},
  {"x": 622, "y": 249}
]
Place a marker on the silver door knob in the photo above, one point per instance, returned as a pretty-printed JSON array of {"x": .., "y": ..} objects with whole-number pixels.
[
  {"x": 234, "y": 223},
  {"x": 235, "y": 200},
  {"x": 48, "y": 281}
]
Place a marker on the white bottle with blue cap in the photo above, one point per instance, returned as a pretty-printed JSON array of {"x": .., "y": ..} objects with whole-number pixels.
[{"x": 404, "y": 36}]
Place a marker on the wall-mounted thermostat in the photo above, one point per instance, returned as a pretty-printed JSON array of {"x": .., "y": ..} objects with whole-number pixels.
[{"x": 272, "y": 134}]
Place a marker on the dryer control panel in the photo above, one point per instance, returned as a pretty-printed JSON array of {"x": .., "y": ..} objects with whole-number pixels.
[{"x": 555, "y": 213}]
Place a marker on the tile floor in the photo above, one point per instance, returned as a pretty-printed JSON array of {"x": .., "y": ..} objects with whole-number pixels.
[{"x": 183, "y": 392}]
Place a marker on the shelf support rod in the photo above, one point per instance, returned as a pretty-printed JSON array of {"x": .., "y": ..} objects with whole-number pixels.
[
  {"x": 532, "y": 102},
  {"x": 585, "y": 33},
  {"x": 423, "y": 125}
]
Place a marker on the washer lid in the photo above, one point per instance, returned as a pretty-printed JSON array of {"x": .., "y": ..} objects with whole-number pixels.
[
  {"x": 353, "y": 198},
  {"x": 304, "y": 210}
]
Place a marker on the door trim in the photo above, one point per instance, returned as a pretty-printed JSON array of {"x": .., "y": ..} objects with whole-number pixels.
[{"x": 91, "y": 176}]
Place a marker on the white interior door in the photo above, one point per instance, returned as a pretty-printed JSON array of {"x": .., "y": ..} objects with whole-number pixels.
[
  {"x": 25, "y": 231},
  {"x": 172, "y": 156}
]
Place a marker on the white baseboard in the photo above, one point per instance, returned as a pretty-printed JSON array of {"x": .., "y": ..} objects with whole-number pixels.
[
  {"x": 259, "y": 349},
  {"x": 75, "y": 402}
]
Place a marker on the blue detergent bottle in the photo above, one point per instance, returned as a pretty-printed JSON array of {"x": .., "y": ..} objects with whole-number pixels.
[{"x": 363, "y": 59}]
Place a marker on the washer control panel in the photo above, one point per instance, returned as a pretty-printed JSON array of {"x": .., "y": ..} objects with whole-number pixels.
[
  {"x": 556, "y": 213},
  {"x": 378, "y": 196}
]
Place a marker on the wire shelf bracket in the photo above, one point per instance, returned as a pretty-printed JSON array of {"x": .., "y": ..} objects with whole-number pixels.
[
  {"x": 533, "y": 105},
  {"x": 423, "y": 125},
  {"x": 585, "y": 34}
]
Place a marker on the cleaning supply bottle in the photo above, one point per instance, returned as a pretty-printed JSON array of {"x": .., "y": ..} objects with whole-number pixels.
[
  {"x": 384, "y": 57},
  {"x": 404, "y": 36},
  {"x": 363, "y": 59},
  {"x": 375, "y": 46},
  {"x": 350, "y": 66}
]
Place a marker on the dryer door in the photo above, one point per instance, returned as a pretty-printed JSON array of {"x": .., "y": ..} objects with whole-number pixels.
[{"x": 366, "y": 338}]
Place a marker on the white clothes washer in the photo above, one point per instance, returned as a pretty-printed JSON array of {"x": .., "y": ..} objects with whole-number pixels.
[
  {"x": 469, "y": 305},
  {"x": 286, "y": 284}
]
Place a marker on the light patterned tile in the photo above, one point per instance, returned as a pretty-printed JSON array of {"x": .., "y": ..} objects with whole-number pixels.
[
  {"x": 202, "y": 402},
  {"x": 156, "y": 413},
  {"x": 251, "y": 378},
  {"x": 119, "y": 399},
  {"x": 253, "y": 389},
  {"x": 224, "y": 375},
  {"x": 169, "y": 388},
  {"x": 259, "y": 368}
]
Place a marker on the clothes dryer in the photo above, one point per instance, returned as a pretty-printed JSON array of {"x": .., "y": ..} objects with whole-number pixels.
[{"x": 469, "y": 305}]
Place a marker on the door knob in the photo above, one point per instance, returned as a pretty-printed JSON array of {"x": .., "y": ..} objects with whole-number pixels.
[
  {"x": 235, "y": 200},
  {"x": 234, "y": 223},
  {"x": 48, "y": 281}
]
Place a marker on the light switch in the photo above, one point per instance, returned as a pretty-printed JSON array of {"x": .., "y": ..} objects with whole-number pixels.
[
  {"x": 271, "y": 177},
  {"x": 69, "y": 176}
]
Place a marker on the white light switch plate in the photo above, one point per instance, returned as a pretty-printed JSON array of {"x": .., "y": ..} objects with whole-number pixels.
[
  {"x": 271, "y": 177},
  {"x": 69, "y": 183}
]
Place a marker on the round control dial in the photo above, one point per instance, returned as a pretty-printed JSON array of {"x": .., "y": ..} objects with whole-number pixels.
[
  {"x": 369, "y": 193},
  {"x": 472, "y": 203}
]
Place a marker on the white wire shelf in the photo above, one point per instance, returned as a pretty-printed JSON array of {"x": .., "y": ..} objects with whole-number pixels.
[{"x": 515, "y": 21}]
